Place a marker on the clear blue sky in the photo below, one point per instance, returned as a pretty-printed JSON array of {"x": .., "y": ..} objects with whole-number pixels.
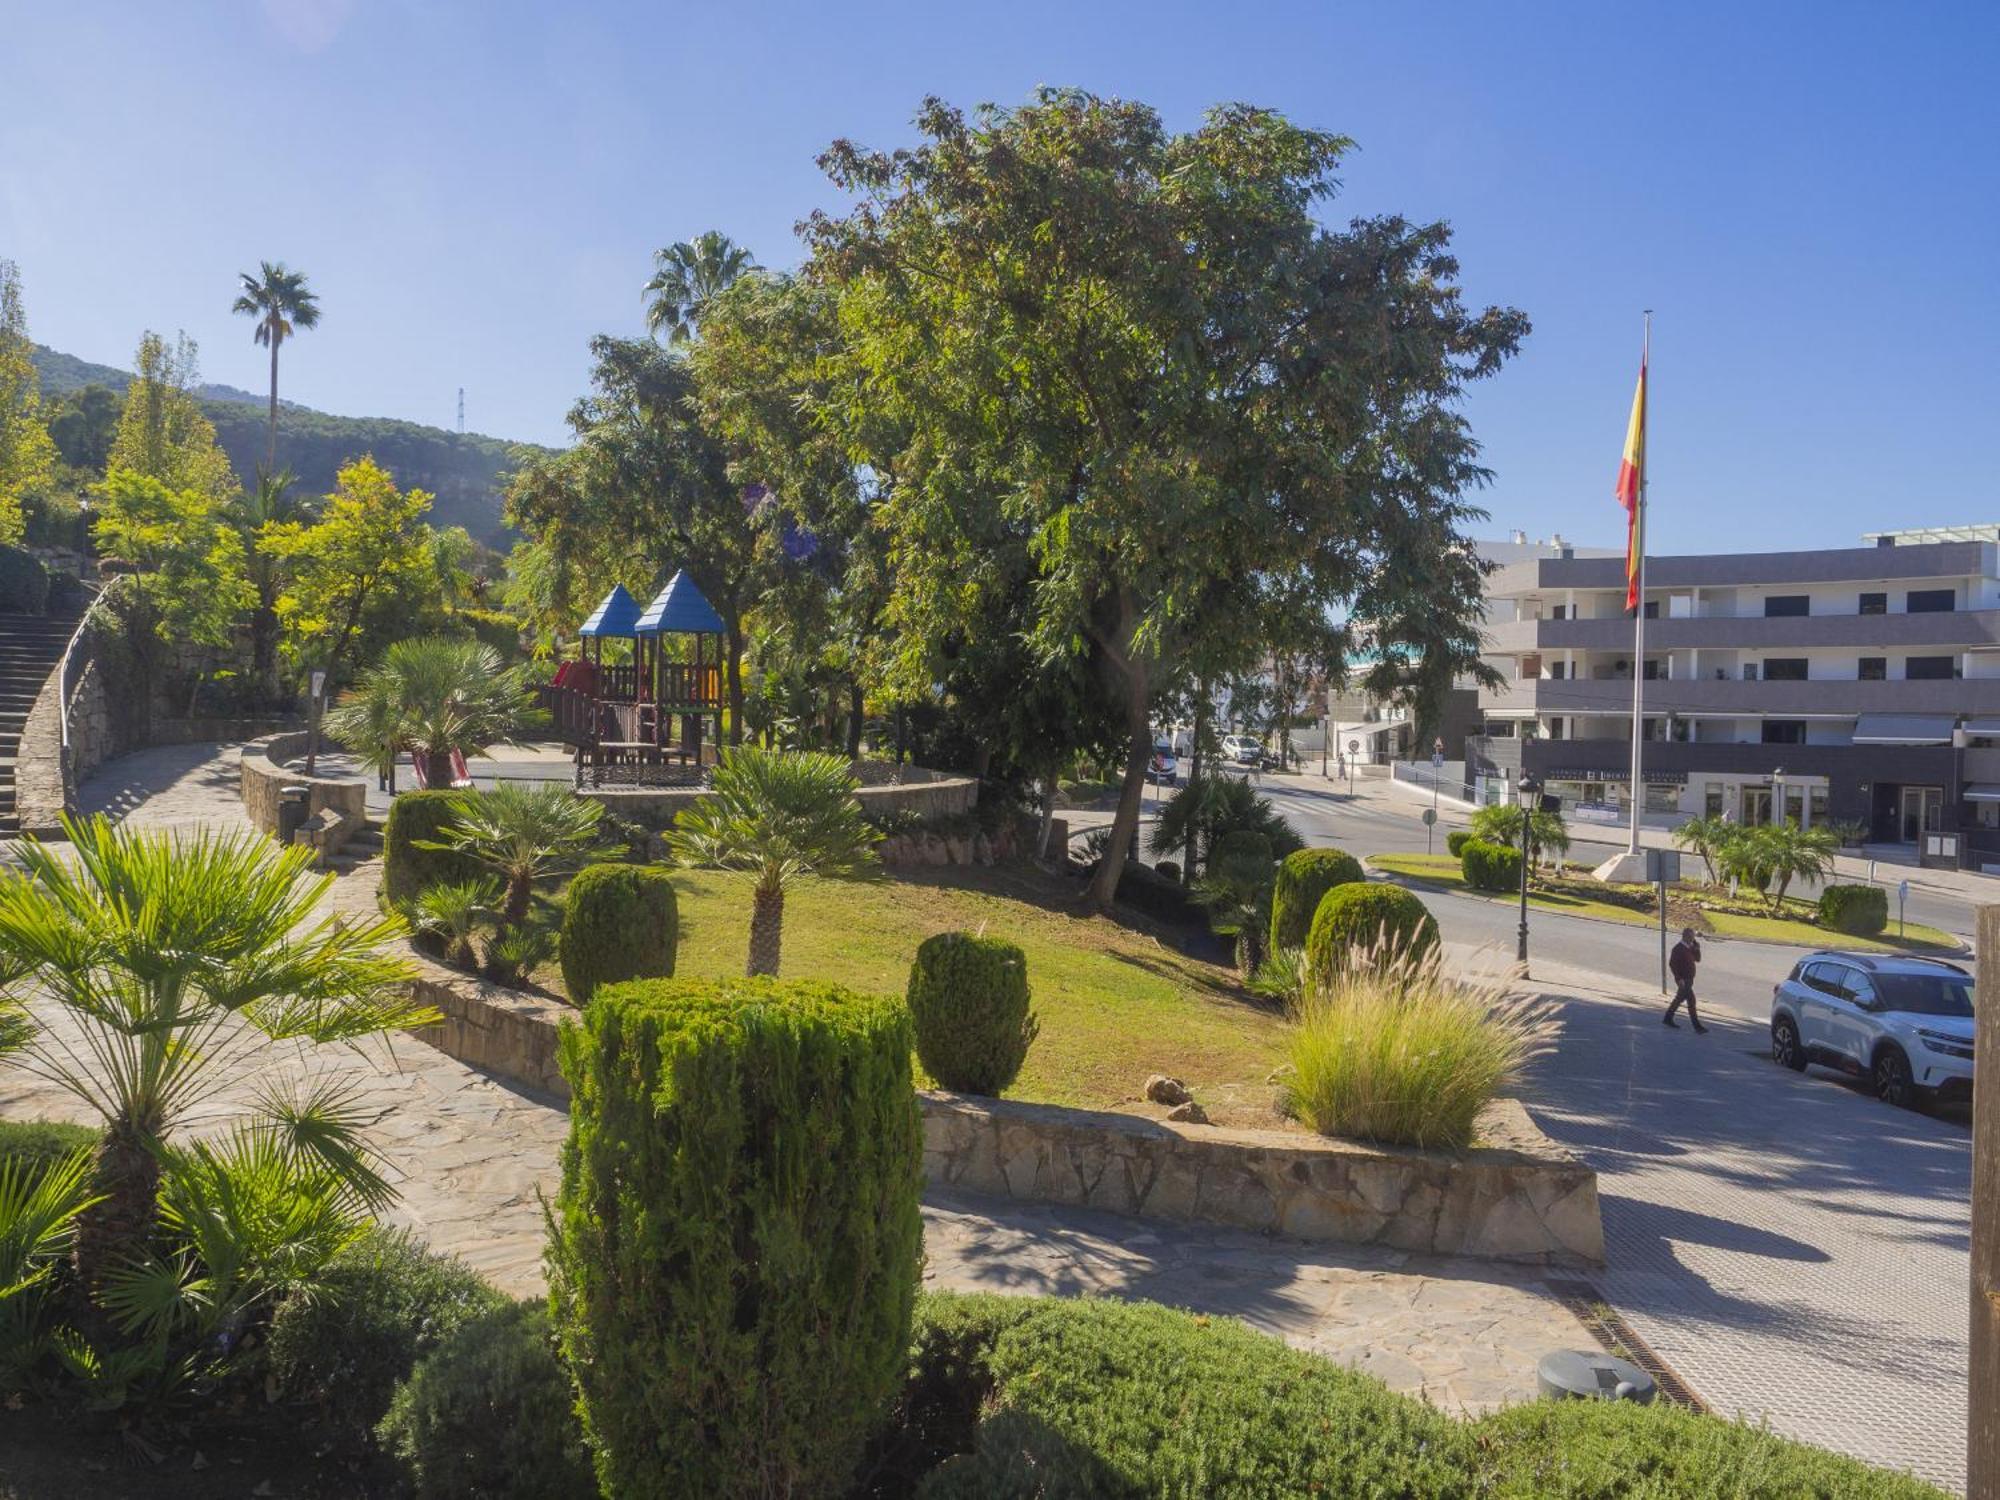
[{"x": 1807, "y": 194}]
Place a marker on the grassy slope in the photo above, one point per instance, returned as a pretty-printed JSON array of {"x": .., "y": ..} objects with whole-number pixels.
[
  {"x": 1443, "y": 871},
  {"x": 1115, "y": 1004}
]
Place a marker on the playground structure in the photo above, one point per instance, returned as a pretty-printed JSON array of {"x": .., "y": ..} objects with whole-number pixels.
[{"x": 643, "y": 721}]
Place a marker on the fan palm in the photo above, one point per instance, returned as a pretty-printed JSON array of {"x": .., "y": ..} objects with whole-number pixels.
[
  {"x": 1237, "y": 892},
  {"x": 524, "y": 834},
  {"x": 779, "y": 814},
  {"x": 452, "y": 912},
  {"x": 280, "y": 302},
  {"x": 434, "y": 695},
  {"x": 1214, "y": 807},
  {"x": 1707, "y": 836},
  {"x": 1501, "y": 824},
  {"x": 1772, "y": 857},
  {"x": 172, "y": 959},
  {"x": 687, "y": 276}
]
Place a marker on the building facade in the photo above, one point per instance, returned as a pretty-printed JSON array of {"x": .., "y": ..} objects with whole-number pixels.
[{"x": 1854, "y": 685}]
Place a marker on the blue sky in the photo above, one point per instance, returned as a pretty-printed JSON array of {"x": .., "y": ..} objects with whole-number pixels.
[{"x": 1807, "y": 195}]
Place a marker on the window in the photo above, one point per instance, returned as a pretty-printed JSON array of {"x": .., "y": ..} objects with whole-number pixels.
[
  {"x": 1784, "y": 669},
  {"x": 1874, "y": 604},
  {"x": 1652, "y": 609},
  {"x": 1786, "y": 604},
  {"x": 1559, "y": 612},
  {"x": 1817, "y": 800},
  {"x": 1662, "y": 799},
  {"x": 1711, "y": 799},
  {"x": 1556, "y": 727},
  {"x": 1931, "y": 601},
  {"x": 1874, "y": 669},
  {"x": 1749, "y": 671},
  {"x": 1929, "y": 669},
  {"x": 1784, "y": 731},
  {"x": 1822, "y": 977},
  {"x": 1656, "y": 671},
  {"x": 1855, "y": 985},
  {"x": 1555, "y": 671}
]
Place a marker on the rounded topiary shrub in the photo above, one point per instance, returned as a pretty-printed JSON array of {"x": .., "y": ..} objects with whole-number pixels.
[
  {"x": 735, "y": 1245},
  {"x": 417, "y": 818},
  {"x": 1304, "y": 877},
  {"x": 1456, "y": 840},
  {"x": 1490, "y": 867},
  {"x": 490, "y": 1412},
  {"x": 1857, "y": 910},
  {"x": 968, "y": 1000},
  {"x": 1355, "y": 921},
  {"x": 619, "y": 922}
]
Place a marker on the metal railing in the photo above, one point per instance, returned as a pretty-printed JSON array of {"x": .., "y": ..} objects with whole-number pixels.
[{"x": 78, "y": 654}]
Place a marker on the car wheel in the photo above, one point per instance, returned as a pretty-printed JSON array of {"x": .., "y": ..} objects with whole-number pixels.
[
  {"x": 1786, "y": 1049},
  {"x": 1894, "y": 1083}
]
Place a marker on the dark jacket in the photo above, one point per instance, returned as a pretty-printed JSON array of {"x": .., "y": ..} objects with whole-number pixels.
[{"x": 1681, "y": 962}]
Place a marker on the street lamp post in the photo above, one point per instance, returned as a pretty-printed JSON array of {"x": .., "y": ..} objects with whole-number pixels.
[
  {"x": 1777, "y": 796},
  {"x": 1528, "y": 789}
]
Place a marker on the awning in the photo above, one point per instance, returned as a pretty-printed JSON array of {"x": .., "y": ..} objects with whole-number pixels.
[
  {"x": 1982, "y": 728},
  {"x": 618, "y": 615},
  {"x": 1904, "y": 729},
  {"x": 680, "y": 609},
  {"x": 1983, "y": 791}
]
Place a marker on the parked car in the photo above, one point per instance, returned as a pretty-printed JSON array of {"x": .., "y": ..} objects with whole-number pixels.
[
  {"x": 1243, "y": 750},
  {"x": 1163, "y": 769},
  {"x": 1904, "y": 1024}
]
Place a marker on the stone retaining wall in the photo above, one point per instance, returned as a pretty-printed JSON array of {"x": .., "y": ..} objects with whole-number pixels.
[
  {"x": 924, "y": 794},
  {"x": 265, "y": 775},
  {"x": 1522, "y": 1198}
]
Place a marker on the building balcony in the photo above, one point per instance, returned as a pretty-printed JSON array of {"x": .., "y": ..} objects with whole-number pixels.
[
  {"x": 1848, "y": 765},
  {"x": 1857, "y": 565},
  {"x": 1731, "y": 698},
  {"x": 1951, "y": 631}
]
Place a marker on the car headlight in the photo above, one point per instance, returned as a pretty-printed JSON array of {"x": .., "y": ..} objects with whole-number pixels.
[{"x": 1945, "y": 1042}]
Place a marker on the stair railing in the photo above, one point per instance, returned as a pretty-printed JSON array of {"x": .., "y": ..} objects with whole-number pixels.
[{"x": 78, "y": 654}]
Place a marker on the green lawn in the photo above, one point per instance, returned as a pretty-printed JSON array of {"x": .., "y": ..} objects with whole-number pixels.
[
  {"x": 1115, "y": 1004},
  {"x": 1443, "y": 871}
]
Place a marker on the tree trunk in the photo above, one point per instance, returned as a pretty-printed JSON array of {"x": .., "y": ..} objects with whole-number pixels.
[
  {"x": 1131, "y": 795},
  {"x": 1188, "y": 865},
  {"x": 118, "y": 1229},
  {"x": 734, "y": 672},
  {"x": 854, "y": 713},
  {"x": 767, "y": 930},
  {"x": 264, "y": 644},
  {"x": 520, "y": 892},
  {"x": 271, "y": 455},
  {"x": 1048, "y": 816}
]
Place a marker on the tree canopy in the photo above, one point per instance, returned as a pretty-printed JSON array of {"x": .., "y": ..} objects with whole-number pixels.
[{"x": 27, "y": 454}]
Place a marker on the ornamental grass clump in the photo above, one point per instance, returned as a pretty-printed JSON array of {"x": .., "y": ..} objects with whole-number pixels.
[{"x": 1399, "y": 1053}]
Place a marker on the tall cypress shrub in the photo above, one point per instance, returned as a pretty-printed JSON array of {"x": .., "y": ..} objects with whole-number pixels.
[
  {"x": 734, "y": 1251},
  {"x": 1304, "y": 876}
]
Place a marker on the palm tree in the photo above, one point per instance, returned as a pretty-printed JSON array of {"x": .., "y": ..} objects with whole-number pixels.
[
  {"x": 1237, "y": 892},
  {"x": 524, "y": 834},
  {"x": 1794, "y": 853},
  {"x": 686, "y": 277},
  {"x": 435, "y": 695},
  {"x": 781, "y": 814},
  {"x": 281, "y": 304},
  {"x": 172, "y": 960},
  {"x": 1214, "y": 807},
  {"x": 1500, "y": 823}
]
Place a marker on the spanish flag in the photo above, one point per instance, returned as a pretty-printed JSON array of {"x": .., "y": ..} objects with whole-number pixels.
[{"x": 1631, "y": 484}]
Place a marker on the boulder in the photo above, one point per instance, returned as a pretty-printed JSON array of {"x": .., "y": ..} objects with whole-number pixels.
[
  {"x": 1164, "y": 1090},
  {"x": 1189, "y": 1113}
]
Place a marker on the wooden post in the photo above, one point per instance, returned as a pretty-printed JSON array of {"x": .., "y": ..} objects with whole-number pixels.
[{"x": 1982, "y": 1435}]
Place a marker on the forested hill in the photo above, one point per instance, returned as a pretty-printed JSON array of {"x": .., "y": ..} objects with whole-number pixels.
[{"x": 465, "y": 471}]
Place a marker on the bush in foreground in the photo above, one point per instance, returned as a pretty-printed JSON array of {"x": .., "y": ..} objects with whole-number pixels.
[
  {"x": 969, "y": 999},
  {"x": 1400, "y": 1054},
  {"x": 619, "y": 922},
  {"x": 417, "y": 819},
  {"x": 489, "y": 1413},
  {"x": 381, "y": 1305},
  {"x": 734, "y": 1249},
  {"x": 1857, "y": 910},
  {"x": 1490, "y": 867},
  {"x": 1368, "y": 924},
  {"x": 1304, "y": 877}
]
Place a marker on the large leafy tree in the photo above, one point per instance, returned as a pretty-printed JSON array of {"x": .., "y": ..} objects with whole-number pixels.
[
  {"x": 281, "y": 303},
  {"x": 1137, "y": 361},
  {"x": 273, "y": 501},
  {"x": 27, "y": 455},
  {"x": 161, "y": 431},
  {"x": 687, "y": 276}
]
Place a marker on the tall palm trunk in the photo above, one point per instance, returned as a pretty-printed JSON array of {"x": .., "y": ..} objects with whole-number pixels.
[
  {"x": 520, "y": 892},
  {"x": 767, "y": 929},
  {"x": 117, "y": 1229},
  {"x": 271, "y": 453}
]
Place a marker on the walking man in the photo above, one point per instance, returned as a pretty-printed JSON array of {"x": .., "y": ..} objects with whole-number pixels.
[{"x": 1681, "y": 963}]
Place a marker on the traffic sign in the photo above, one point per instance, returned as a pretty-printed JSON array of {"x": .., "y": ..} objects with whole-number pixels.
[
  {"x": 1430, "y": 816},
  {"x": 1437, "y": 760},
  {"x": 1903, "y": 891}
]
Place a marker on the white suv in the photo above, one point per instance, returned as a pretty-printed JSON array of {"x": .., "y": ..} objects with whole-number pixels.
[{"x": 1905, "y": 1024}]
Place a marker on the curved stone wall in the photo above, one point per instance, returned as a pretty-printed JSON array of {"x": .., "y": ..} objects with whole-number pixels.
[{"x": 265, "y": 775}]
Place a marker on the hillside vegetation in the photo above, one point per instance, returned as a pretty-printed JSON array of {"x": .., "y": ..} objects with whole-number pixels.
[{"x": 465, "y": 471}]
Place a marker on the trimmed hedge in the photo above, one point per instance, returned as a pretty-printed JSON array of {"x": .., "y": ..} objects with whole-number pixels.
[
  {"x": 734, "y": 1251},
  {"x": 1152, "y": 893},
  {"x": 1368, "y": 918},
  {"x": 1490, "y": 867},
  {"x": 1456, "y": 840},
  {"x": 619, "y": 922},
  {"x": 24, "y": 583},
  {"x": 490, "y": 1412},
  {"x": 1304, "y": 877},
  {"x": 407, "y": 870},
  {"x": 1857, "y": 910},
  {"x": 38, "y": 1144},
  {"x": 968, "y": 999},
  {"x": 383, "y": 1304}
]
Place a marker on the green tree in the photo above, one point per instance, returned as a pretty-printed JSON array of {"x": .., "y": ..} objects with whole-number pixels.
[
  {"x": 162, "y": 433},
  {"x": 27, "y": 455},
  {"x": 367, "y": 543},
  {"x": 780, "y": 815},
  {"x": 1501, "y": 824},
  {"x": 1770, "y": 858},
  {"x": 434, "y": 695},
  {"x": 1138, "y": 361},
  {"x": 83, "y": 425},
  {"x": 281, "y": 303},
  {"x": 525, "y": 835},
  {"x": 1236, "y": 889},
  {"x": 687, "y": 277},
  {"x": 1707, "y": 836},
  {"x": 273, "y": 501},
  {"x": 172, "y": 958}
]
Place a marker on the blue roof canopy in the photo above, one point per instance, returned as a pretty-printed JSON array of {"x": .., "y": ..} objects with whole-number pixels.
[
  {"x": 618, "y": 615},
  {"x": 680, "y": 609}
]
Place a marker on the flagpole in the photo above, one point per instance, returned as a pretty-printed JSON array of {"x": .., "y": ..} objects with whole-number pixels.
[{"x": 1639, "y": 612}]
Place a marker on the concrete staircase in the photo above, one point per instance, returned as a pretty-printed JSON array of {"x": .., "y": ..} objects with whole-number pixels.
[{"x": 30, "y": 648}]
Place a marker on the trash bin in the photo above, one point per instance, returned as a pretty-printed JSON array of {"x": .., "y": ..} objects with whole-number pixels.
[
  {"x": 293, "y": 805},
  {"x": 1573, "y": 1374}
]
